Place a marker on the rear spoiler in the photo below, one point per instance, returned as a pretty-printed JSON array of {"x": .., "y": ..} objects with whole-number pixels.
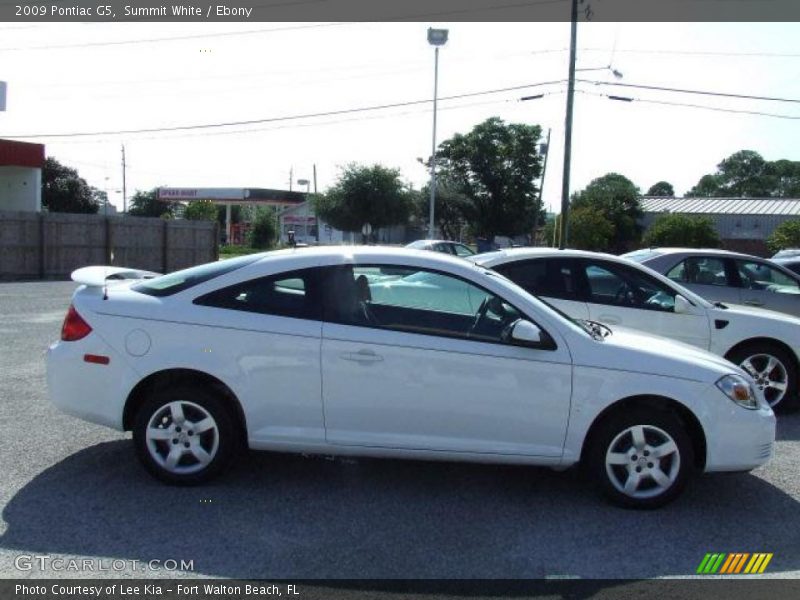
[{"x": 99, "y": 276}]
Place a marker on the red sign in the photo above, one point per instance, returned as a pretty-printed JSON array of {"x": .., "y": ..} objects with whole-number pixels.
[{"x": 21, "y": 154}]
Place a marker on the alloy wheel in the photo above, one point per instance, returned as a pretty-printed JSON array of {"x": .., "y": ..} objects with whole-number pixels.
[
  {"x": 770, "y": 375},
  {"x": 182, "y": 437},
  {"x": 643, "y": 461}
]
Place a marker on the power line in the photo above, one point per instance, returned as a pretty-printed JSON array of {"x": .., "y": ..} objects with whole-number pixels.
[
  {"x": 689, "y": 105},
  {"x": 173, "y": 38},
  {"x": 328, "y": 113},
  {"x": 698, "y": 52},
  {"x": 689, "y": 91}
]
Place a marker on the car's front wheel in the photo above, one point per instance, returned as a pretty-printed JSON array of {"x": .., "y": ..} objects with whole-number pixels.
[
  {"x": 184, "y": 435},
  {"x": 641, "y": 458}
]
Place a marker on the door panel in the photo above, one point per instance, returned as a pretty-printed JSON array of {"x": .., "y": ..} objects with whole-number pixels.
[
  {"x": 415, "y": 359},
  {"x": 621, "y": 295},
  {"x": 412, "y": 391}
]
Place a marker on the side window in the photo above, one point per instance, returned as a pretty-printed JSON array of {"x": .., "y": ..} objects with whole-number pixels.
[
  {"x": 462, "y": 250},
  {"x": 701, "y": 270},
  {"x": 415, "y": 300},
  {"x": 759, "y": 276},
  {"x": 294, "y": 294},
  {"x": 622, "y": 286},
  {"x": 551, "y": 278}
]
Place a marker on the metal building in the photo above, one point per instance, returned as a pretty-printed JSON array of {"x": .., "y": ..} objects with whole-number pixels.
[{"x": 743, "y": 224}]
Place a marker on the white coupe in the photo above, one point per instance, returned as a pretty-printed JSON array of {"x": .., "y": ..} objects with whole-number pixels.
[
  {"x": 290, "y": 351},
  {"x": 617, "y": 291}
]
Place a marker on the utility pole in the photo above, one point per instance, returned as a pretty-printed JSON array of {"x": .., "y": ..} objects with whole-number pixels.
[
  {"x": 124, "y": 189},
  {"x": 315, "y": 197},
  {"x": 568, "y": 130},
  {"x": 539, "y": 204}
]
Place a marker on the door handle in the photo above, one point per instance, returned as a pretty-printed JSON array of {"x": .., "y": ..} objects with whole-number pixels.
[
  {"x": 609, "y": 319},
  {"x": 362, "y": 356},
  {"x": 754, "y": 303}
]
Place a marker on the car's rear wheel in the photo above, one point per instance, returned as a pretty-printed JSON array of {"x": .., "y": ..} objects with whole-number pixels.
[
  {"x": 774, "y": 371},
  {"x": 184, "y": 435},
  {"x": 641, "y": 458}
]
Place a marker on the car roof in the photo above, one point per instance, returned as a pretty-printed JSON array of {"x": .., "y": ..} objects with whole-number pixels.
[
  {"x": 343, "y": 254},
  {"x": 509, "y": 254},
  {"x": 707, "y": 251},
  {"x": 418, "y": 243}
]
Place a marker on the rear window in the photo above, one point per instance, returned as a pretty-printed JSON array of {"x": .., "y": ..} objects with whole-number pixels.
[{"x": 172, "y": 283}]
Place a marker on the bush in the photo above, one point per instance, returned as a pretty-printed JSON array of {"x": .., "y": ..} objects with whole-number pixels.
[
  {"x": 263, "y": 233},
  {"x": 682, "y": 230},
  {"x": 201, "y": 210},
  {"x": 786, "y": 235}
]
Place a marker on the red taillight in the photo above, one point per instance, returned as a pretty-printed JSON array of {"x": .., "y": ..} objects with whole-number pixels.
[{"x": 74, "y": 327}]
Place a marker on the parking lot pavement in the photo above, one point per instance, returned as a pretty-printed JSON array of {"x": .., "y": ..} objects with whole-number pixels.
[{"x": 74, "y": 490}]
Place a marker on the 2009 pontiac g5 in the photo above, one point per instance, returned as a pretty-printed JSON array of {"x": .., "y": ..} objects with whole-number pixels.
[{"x": 393, "y": 353}]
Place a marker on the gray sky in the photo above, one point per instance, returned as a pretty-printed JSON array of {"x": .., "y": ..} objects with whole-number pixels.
[{"x": 68, "y": 78}]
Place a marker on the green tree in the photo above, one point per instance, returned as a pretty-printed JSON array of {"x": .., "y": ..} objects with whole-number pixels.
[
  {"x": 63, "y": 190},
  {"x": 264, "y": 232},
  {"x": 786, "y": 235},
  {"x": 494, "y": 168},
  {"x": 682, "y": 230},
  {"x": 589, "y": 229},
  {"x": 616, "y": 198},
  {"x": 448, "y": 208},
  {"x": 745, "y": 174},
  {"x": 201, "y": 210},
  {"x": 365, "y": 194},
  {"x": 147, "y": 204},
  {"x": 662, "y": 188}
]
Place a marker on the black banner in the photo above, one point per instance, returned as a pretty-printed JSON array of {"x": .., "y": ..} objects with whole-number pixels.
[
  {"x": 390, "y": 10},
  {"x": 571, "y": 589}
]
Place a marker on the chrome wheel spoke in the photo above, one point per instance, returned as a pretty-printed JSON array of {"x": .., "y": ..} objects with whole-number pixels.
[
  {"x": 173, "y": 457},
  {"x": 176, "y": 411},
  {"x": 748, "y": 366},
  {"x": 778, "y": 385},
  {"x": 771, "y": 364},
  {"x": 200, "y": 454},
  {"x": 618, "y": 458},
  {"x": 203, "y": 425},
  {"x": 660, "y": 477},
  {"x": 664, "y": 449},
  {"x": 632, "y": 483},
  {"x": 157, "y": 433},
  {"x": 637, "y": 433}
]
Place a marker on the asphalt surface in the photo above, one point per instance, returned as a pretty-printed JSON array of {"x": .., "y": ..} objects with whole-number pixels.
[{"x": 73, "y": 490}]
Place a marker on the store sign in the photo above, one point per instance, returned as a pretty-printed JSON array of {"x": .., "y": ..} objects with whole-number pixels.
[
  {"x": 299, "y": 220},
  {"x": 212, "y": 194}
]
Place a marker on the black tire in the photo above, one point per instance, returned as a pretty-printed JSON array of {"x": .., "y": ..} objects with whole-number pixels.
[
  {"x": 220, "y": 442},
  {"x": 613, "y": 434},
  {"x": 790, "y": 398}
]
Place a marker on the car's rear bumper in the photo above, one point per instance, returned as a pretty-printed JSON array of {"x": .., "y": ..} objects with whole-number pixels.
[{"x": 84, "y": 389}]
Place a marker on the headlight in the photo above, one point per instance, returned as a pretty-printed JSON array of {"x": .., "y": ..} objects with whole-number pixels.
[{"x": 739, "y": 390}]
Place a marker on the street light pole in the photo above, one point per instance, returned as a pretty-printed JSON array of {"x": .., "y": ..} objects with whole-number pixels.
[
  {"x": 436, "y": 37},
  {"x": 568, "y": 129}
]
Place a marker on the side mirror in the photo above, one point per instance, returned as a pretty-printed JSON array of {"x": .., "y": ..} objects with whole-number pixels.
[
  {"x": 526, "y": 333},
  {"x": 682, "y": 305}
]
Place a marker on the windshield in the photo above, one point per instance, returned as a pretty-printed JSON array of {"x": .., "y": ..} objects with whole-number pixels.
[{"x": 172, "y": 283}]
